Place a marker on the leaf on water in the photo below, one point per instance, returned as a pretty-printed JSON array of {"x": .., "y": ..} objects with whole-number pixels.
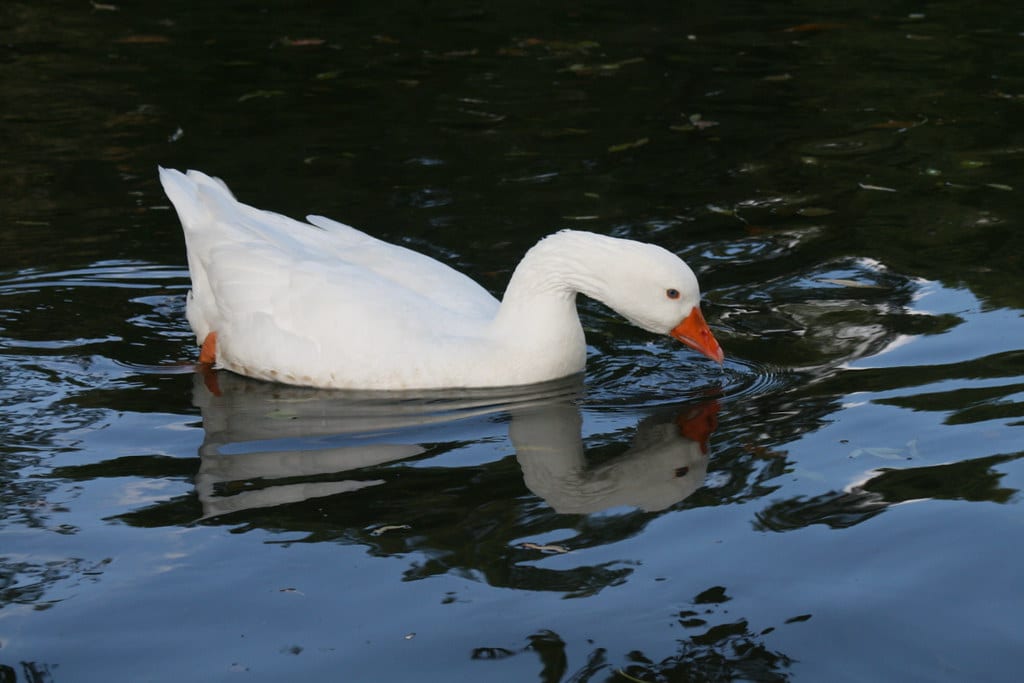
[
  {"x": 629, "y": 145},
  {"x": 260, "y": 94},
  {"x": 301, "y": 42},
  {"x": 814, "y": 211},
  {"x": 625, "y": 62},
  {"x": 900, "y": 125},
  {"x": 721, "y": 210},
  {"x": 576, "y": 46},
  {"x": 564, "y": 132},
  {"x": 544, "y": 548},
  {"x": 560, "y": 45},
  {"x": 696, "y": 122},
  {"x": 143, "y": 40},
  {"x": 843, "y": 282},
  {"x": 589, "y": 69},
  {"x": 1007, "y": 96},
  {"x": 883, "y": 453},
  {"x": 389, "y": 527},
  {"x": 876, "y": 188},
  {"x": 814, "y": 26}
]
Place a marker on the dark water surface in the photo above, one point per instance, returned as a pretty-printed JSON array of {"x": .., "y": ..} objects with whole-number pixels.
[{"x": 845, "y": 182}]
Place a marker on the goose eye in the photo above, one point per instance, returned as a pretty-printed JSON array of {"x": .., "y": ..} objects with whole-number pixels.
[{"x": 672, "y": 293}]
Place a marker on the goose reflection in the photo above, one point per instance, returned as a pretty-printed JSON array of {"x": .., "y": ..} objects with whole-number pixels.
[{"x": 267, "y": 445}]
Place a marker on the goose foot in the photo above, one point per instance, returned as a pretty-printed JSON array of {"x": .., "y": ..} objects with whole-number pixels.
[{"x": 208, "y": 352}]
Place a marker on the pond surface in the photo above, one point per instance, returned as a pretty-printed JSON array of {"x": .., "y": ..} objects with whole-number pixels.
[{"x": 841, "y": 501}]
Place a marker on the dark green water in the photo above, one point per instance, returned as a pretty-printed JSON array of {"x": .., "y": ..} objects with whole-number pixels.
[{"x": 846, "y": 183}]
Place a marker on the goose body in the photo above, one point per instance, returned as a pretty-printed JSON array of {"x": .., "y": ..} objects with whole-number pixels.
[{"x": 323, "y": 304}]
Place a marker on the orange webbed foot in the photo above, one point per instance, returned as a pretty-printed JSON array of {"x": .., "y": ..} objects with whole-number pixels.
[
  {"x": 207, "y": 357},
  {"x": 208, "y": 352}
]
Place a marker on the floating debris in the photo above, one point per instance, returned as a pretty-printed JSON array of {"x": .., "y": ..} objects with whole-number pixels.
[
  {"x": 629, "y": 145},
  {"x": 814, "y": 211},
  {"x": 876, "y": 188},
  {"x": 909, "y": 452},
  {"x": 844, "y": 282},
  {"x": 694, "y": 122},
  {"x": 301, "y": 42},
  {"x": 814, "y": 26},
  {"x": 550, "y": 549},
  {"x": 143, "y": 40},
  {"x": 260, "y": 94}
]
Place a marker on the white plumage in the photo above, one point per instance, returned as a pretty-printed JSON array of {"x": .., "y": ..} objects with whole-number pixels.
[{"x": 323, "y": 304}]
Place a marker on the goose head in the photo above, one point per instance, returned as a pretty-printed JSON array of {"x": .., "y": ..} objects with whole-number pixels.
[{"x": 656, "y": 291}]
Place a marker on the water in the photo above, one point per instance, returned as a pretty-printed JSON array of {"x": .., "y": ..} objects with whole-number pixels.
[{"x": 846, "y": 184}]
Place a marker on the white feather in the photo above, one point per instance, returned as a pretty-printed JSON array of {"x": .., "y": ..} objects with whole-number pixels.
[{"x": 324, "y": 304}]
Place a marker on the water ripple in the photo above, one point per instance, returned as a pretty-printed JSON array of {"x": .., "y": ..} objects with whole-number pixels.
[{"x": 747, "y": 379}]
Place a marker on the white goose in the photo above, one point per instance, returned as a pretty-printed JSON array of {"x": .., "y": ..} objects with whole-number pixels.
[{"x": 323, "y": 304}]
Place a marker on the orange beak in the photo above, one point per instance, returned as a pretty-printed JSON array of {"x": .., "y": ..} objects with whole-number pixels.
[{"x": 694, "y": 332}]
